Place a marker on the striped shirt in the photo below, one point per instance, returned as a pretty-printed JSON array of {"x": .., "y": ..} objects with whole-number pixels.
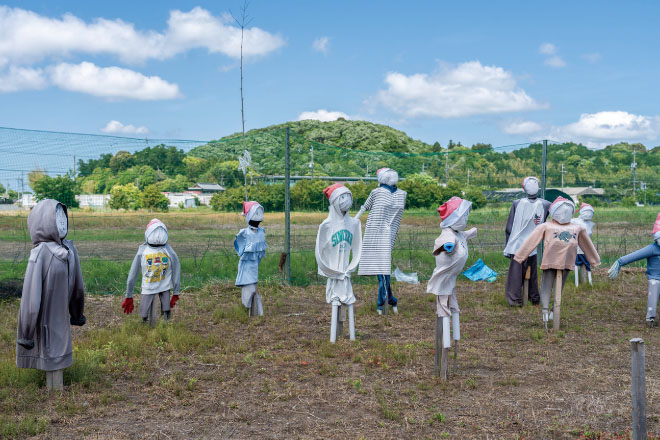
[{"x": 385, "y": 212}]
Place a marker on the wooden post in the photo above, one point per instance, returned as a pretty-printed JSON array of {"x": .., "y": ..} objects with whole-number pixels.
[
  {"x": 559, "y": 282},
  {"x": 455, "y": 355},
  {"x": 438, "y": 343},
  {"x": 444, "y": 364},
  {"x": 154, "y": 310},
  {"x": 638, "y": 354},
  {"x": 253, "y": 305},
  {"x": 55, "y": 380},
  {"x": 528, "y": 275},
  {"x": 340, "y": 321}
]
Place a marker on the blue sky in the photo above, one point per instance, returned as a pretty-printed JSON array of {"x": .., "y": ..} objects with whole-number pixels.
[{"x": 494, "y": 72}]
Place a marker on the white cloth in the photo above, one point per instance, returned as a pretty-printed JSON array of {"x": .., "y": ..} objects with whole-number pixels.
[
  {"x": 586, "y": 224},
  {"x": 529, "y": 214},
  {"x": 448, "y": 265},
  {"x": 337, "y": 237},
  {"x": 385, "y": 213}
]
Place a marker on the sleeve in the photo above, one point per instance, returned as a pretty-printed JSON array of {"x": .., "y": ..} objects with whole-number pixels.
[
  {"x": 176, "y": 270},
  {"x": 240, "y": 242},
  {"x": 31, "y": 297},
  {"x": 509, "y": 223},
  {"x": 321, "y": 239},
  {"x": 356, "y": 247},
  {"x": 640, "y": 254},
  {"x": 444, "y": 243},
  {"x": 366, "y": 207},
  {"x": 588, "y": 248},
  {"x": 470, "y": 233},
  {"x": 530, "y": 243},
  {"x": 77, "y": 300},
  {"x": 136, "y": 268}
]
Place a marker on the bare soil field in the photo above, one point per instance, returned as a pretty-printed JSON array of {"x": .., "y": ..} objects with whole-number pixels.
[{"x": 212, "y": 372}]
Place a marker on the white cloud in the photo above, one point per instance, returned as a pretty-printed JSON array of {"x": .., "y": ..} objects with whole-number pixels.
[
  {"x": 28, "y": 37},
  {"x": 21, "y": 78},
  {"x": 592, "y": 57},
  {"x": 611, "y": 126},
  {"x": 112, "y": 82},
  {"x": 452, "y": 92},
  {"x": 552, "y": 59},
  {"x": 323, "y": 115},
  {"x": 548, "y": 49},
  {"x": 522, "y": 127},
  {"x": 555, "y": 61},
  {"x": 117, "y": 127},
  {"x": 321, "y": 44}
]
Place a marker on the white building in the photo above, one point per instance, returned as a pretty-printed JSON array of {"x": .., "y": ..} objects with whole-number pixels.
[
  {"x": 188, "y": 200},
  {"x": 28, "y": 201},
  {"x": 93, "y": 200}
]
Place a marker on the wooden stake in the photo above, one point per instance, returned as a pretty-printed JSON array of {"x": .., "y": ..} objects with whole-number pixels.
[
  {"x": 55, "y": 380},
  {"x": 341, "y": 318},
  {"x": 438, "y": 343},
  {"x": 528, "y": 275},
  {"x": 638, "y": 354},
  {"x": 444, "y": 364},
  {"x": 557, "y": 307},
  {"x": 455, "y": 355}
]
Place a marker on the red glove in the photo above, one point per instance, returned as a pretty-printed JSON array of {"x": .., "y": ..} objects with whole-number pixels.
[
  {"x": 173, "y": 301},
  {"x": 127, "y": 305}
]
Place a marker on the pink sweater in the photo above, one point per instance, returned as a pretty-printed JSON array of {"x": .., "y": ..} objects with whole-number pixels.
[{"x": 560, "y": 244}]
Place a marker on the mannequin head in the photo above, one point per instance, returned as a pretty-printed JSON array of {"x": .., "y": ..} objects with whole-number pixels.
[
  {"x": 562, "y": 210},
  {"x": 62, "y": 221},
  {"x": 340, "y": 198},
  {"x": 531, "y": 186},
  {"x": 387, "y": 176},
  {"x": 454, "y": 213},
  {"x": 345, "y": 202},
  {"x": 156, "y": 233}
]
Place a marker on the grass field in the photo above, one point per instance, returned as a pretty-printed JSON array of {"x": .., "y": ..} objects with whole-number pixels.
[
  {"x": 203, "y": 239},
  {"x": 214, "y": 373}
]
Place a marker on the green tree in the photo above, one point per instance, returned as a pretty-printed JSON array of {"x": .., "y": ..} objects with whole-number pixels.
[
  {"x": 121, "y": 161},
  {"x": 125, "y": 197},
  {"x": 61, "y": 188},
  {"x": 153, "y": 199}
]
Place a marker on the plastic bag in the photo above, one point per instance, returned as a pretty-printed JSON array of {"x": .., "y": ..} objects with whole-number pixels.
[
  {"x": 479, "y": 271},
  {"x": 405, "y": 277}
]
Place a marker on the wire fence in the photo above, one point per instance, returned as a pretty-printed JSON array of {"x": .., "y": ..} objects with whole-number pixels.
[{"x": 108, "y": 239}]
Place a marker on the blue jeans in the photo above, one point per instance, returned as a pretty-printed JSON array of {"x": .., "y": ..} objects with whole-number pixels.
[{"x": 384, "y": 288}]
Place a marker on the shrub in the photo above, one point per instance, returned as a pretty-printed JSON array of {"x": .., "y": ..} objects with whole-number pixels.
[{"x": 125, "y": 197}]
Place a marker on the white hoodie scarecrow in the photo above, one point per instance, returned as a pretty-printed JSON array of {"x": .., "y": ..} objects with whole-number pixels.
[
  {"x": 160, "y": 268},
  {"x": 584, "y": 220},
  {"x": 250, "y": 245},
  {"x": 652, "y": 255},
  {"x": 451, "y": 253},
  {"x": 337, "y": 237}
]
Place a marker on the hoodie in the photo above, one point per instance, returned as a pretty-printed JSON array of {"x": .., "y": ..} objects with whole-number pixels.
[
  {"x": 337, "y": 237},
  {"x": 53, "y": 294},
  {"x": 157, "y": 262}
]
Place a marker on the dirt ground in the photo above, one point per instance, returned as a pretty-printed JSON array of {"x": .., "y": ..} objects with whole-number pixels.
[{"x": 279, "y": 377}]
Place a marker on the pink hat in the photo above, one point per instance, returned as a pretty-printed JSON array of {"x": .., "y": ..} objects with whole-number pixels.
[
  {"x": 247, "y": 206},
  {"x": 586, "y": 206},
  {"x": 558, "y": 202},
  {"x": 334, "y": 191},
  {"x": 449, "y": 206},
  {"x": 656, "y": 228},
  {"x": 452, "y": 210}
]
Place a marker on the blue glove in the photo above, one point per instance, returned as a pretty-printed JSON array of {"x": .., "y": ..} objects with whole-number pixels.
[{"x": 449, "y": 247}]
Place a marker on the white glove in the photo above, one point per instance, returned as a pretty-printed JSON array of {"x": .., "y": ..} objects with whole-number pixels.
[
  {"x": 359, "y": 214},
  {"x": 614, "y": 270}
]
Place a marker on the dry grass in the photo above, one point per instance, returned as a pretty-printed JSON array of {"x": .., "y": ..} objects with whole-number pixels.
[{"x": 214, "y": 373}]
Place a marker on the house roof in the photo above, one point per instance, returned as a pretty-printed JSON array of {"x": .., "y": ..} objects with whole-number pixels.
[{"x": 207, "y": 187}]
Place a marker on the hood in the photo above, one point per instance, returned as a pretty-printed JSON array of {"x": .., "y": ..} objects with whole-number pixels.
[
  {"x": 41, "y": 222},
  {"x": 250, "y": 209},
  {"x": 452, "y": 210},
  {"x": 156, "y": 233}
]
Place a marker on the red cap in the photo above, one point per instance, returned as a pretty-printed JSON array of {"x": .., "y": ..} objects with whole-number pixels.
[
  {"x": 586, "y": 206},
  {"x": 449, "y": 206},
  {"x": 656, "y": 226},
  {"x": 328, "y": 191},
  {"x": 247, "y": 206}
]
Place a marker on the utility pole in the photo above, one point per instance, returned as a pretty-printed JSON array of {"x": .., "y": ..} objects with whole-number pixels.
[
  {"x": 74, "y": 165},
  {"x": 311, "y": 164},
  {"x": 468, "y": 183},
  {"x": 447, "y": 168},
  {"x": 633, "y": 168},
  {"x": 423, "y": 167},
  {"x": 562, "y": 177},
  {"x": 287, "y": 208},
  {"x": 544, "y": 161}
]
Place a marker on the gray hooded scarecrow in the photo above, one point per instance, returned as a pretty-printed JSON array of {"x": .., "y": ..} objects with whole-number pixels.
[{"x": 53, "y": 292}]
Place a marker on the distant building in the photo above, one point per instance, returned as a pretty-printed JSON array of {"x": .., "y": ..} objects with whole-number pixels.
[
  {"x": 187, "y": 200},
  {"x": 28, "y": 201},
  {"x": 206, "y": 188},
  {"x": 580, "y": 191},
  {"x": 98, "y": 201}
]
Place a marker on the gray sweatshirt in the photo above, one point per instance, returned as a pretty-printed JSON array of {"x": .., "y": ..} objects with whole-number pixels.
[{"x": 53, "y": 295}]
